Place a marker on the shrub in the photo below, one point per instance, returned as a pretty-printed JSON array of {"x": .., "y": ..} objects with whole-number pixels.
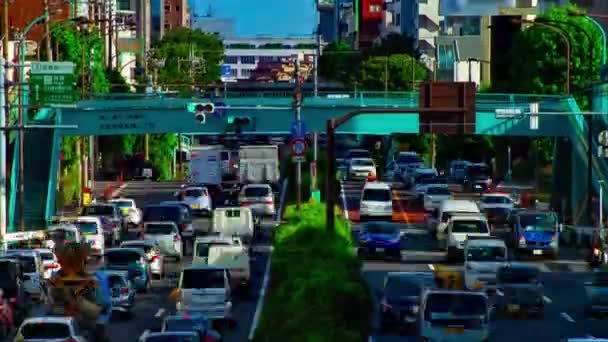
[{"x": 316, "y": 291}]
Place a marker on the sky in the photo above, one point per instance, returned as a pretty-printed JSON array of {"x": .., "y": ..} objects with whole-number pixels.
[{"x": 262, "y": 17}]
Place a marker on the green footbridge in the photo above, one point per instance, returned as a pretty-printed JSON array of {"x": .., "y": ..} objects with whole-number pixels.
[{"x": 272, "y": 113}]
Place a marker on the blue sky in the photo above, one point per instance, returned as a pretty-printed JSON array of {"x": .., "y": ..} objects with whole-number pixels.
[{"x": 263, "y": 17}]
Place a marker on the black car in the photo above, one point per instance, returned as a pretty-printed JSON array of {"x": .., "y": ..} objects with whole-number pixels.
[
  {"x": 400, "y": 298},
  {"x": 478, "y": 177},
  {"x": 520, "y": 290},
  {"x": 173, "y": 213}
]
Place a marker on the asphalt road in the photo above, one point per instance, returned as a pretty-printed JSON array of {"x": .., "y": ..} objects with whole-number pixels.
[
  {"x": 563, "y": 279},
  {"x": 150, "y": 308}
]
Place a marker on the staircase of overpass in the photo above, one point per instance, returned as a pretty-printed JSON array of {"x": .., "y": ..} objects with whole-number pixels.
[{"x": 565, "y": 121}]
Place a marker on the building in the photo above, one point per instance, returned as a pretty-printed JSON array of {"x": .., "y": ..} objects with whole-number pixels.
[
  {"x": 21, "y": 13},
  {"x": 125, "y": 39},
  {"x": 370, "y": 14},
  {"x": 268, "y": 59},
  {"x": 415, "y": 18},
  {"x": 176, "y": 14}
]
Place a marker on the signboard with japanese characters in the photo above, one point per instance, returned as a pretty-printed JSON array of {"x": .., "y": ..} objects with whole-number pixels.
[{"x": 52, "y": 83}]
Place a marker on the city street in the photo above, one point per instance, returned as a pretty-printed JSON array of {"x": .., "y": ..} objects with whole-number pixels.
[
  {"x": 151, "y": 307},
  {"x": 563, "y": 279}
]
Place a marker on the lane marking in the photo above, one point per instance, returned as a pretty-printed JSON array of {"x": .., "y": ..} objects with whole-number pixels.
[
  {"x": 590, "y": 337},
  {"x": 159, "y": 313},
  {"x": 260, "y": 304},
  {"x": 431, "y": 267},
  {"x": 146, "y": 332},
  {"x": 344, "y": 203},
  {"x": 547, "y": 300},
  {"x": 499, "y": 293},
  {"x": 567, "y": 317}
]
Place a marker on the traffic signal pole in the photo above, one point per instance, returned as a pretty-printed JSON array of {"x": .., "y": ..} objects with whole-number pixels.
[{"x": 298, "y": 113}]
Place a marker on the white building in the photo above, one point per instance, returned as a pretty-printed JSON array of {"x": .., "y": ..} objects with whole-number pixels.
[
  {"x": 244, "y": 55},
  {"x": 125, "y": 42}
]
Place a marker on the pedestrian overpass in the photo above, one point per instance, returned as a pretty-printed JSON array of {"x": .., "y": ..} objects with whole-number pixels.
[{"x": 271, "y": 114}]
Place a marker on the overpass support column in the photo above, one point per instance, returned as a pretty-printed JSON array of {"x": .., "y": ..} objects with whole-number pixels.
[{"x": 146, "y": 147}]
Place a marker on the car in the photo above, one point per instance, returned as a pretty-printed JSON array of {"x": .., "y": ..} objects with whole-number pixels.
[
  {"x": 33, "y": 271},
  {"x": 460, "y": 229},
  {"x": 382, "y": 238},
  {"x": 376, "y": 201},
  {"x": 191, "y": 322},
  {"x": 199, "y": 199},
  {"x": 520, "y": 289},
  {"x": 111, "y": 218},
  {"x": 482, "y": 259},
  {"x": 174, "y": 213},
  {"x": 123, "y": 291},
  {"x": 458, "y": 170},
  {"x": 91, "y": 229},
  {"x": 133, "y": 260},
  {"x": 206, "y": 290},
  {"x": 596, "y": 290},
  {"x": 170, "y": 336},
  {"x": 152, "y": 250},
  {"x": 259, "y": 198},
  {"x": 203, "y": 243},
  {"x": 434, "y": 195},
  {"x": 168, "y": 236},
  {"x": 400, "y": 298},
  {"x": 478, "y": 177},
  {"x": 49, "y": 262},
  {"x": 360, "y": 168},
  {"x": 11, "y": 283},
  {"x": 535, "y": 232},
  {"x": 496, "y": 200},
  {"x": 61, "y": 234},
  {"x": 129, "y": 210},
  {"x": 50, "y": 328}
]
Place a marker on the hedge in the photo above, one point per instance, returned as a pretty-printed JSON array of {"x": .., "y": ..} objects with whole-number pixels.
[{"x": 316, "y": 291}]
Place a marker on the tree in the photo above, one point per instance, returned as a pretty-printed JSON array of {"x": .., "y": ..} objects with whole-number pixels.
[
  {"x": 191, "y": 57},
  {"x": 396, "y": 43},
  {"x": 161, "y": 153},
  {"x": 339, "y": 62},
  {"x": 399, "y": 71},
  {"x": 117, "y": 82}
]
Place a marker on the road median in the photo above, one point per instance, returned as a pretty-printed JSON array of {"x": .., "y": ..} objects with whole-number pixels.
[{"x": 316, "y": 291}]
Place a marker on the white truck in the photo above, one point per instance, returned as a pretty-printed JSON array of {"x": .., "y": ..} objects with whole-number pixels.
[
  {"x": 259, "y": 164},
  {"x": 206, "y": 166}
]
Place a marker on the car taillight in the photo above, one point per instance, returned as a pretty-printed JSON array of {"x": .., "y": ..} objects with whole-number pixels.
[
  {"x": 176, "y": 237},
  {"x": 114, "y": 225},
  {"x": 52, "y": 267},
  {"x": 124, "y": 291},
  {"x": 267, "y": 202},
  {"x": 153, "y": 258},
  {"x": 14, "y": 300}
]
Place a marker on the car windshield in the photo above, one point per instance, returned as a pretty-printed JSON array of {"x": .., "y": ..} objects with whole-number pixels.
[
  {"x": 469, "y": 226},
  {"x": 202, "y": 279},
  {"x": 362, "y": 162},
  {"x": 28, "y": 263},
  {"x": 61, "y": 235},
  {"x": 438, "y": 191},
  {"x": 45, "y": 331},
  {"x": 454, "y": 304},
  {"x": 87, "y": 228},
  {"x": 159, "y": 229},
  {"x": 193, "y": 193},
  {"x": 486, "y": 253},
  {"x": 183, "y": 325},
  {"x": 123, "y": 204},
  {"x": 538, "y": 222},
  {"x": 376, "y": 195},
  {"x": 162, "y": 213},
  {"x": 256, "y": 191},
  {"x": 116, "y": 281},
  {"x": 378, "y": 228},
  {"x": 478, "y": 170},
  {"x": 144, "y": 247},
  {"x": 496, "y": 200},
  {"x": 517, "y": 276},
  {"x": 98, "y": 210},
  {"x": 434, "y": 180},
  {"x": 202, "y": 248},
  {"x": 46, "y": 256},
  {"x": 172, "y": 338},
  {"x": 358, "y": 154},
  {"x": 402, "y": 287},
  {"x": 121, "y": 257},
  {"x": 406, "y": 159}
]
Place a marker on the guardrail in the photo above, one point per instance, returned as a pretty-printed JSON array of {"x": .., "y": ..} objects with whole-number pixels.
[{"x": 282, "y": 198}]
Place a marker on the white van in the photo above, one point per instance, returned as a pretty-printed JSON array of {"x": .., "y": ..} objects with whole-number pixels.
[
  {"x": 376, "y": 201},
  {"x": 91, "y": 229},
  {"x": 460, "y": 228},
  {"x": 235, "y": 259},
  {"x": 438, "y": 222},
  {"x": 202, "y": 244},
  {"x": 205, "y": 289},
  {"x": 234, "y": 221}
]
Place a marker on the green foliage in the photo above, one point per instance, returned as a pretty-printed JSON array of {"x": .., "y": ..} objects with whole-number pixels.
[
  {"x": 399, "y": 71},
  {"x": 176, "y": 48},
  {"x": 538, "y": 57},
  {"x": 117, "y": 82},
  {"x": 161, "y": 153},
  {"x": 317, "y": 292},
  {"x": 467, "y": 147},
  {"x": 339, "y": 62}
]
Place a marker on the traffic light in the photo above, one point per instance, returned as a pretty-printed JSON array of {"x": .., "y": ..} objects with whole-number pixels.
[
  {"x": 201, "y": 110},
  {"x": 238, "y": 122}
]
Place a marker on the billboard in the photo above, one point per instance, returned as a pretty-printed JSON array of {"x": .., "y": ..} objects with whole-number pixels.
[{"x": 473, "y": 7}]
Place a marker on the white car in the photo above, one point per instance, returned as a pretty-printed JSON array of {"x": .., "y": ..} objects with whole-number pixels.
[
  {"x": 198, "y": 199},
  {"x": 376, "y": 201},
  {"x": 168, "y": 237},
  {"x": 49, "y": 329},
  {"x": 91, "y": 229},
  {"x": 259, "y": 198},
  {"x": 460, "y": 228},
  {"x": 496, "y": 200},
  {"x": 129, "y": 210},
  {"x": 49, "y": 262},
  {"x": 482, "y": 259},
  {"x": 434, "y": 195},
  {"x": 361, "y": 168},
  {"x": 422, "y": 184}
]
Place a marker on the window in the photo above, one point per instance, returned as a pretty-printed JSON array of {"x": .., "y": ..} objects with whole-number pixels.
[
  {"x": 87, "y": 228},
  {"x": 256, "y": 191},
  {"x": 122, "y": 257},
  {"x": 159, "y": 229},
  {"x": 377, "y": 195},
  {"x": 45, "y": 331},
  {"x": 178, "y": 8},
  {"x": 398, "y": 19},
  {"x": 232, "y": 72},
  {"x": 194, "y": 193},
  {"x": 245, "y": 73},
  {"x": 99, "y": 210},
  {"x": 375, "y": 8},
  {"x": 267, "y": 59},
  {"x": 248, "y": 59},
  {"x": 202, "y": 248},
  {"x": 202, "y": 279},
  {"x": 471, "y": 227},
  {"x": 231, "y": 59}
]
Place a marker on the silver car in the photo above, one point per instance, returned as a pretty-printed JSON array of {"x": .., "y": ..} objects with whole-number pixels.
[{"x": 152, "y": 251}]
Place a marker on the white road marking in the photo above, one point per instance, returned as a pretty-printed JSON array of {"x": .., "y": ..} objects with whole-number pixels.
[
  {"x": 431, "y": 267},
  {"x": 567, "y": 317},
  {"x": 344, "y": 203},
  {"x": 590, "y": 337},
  {"x": 146, "y": 332},
  {"x": 499, "y": 293},
  {"x": 159, "y": 313},
  {"x": 260, "y": 305},
  {"x": 547, "y": 300}
]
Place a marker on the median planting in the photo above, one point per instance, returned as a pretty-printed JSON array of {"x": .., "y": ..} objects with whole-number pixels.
[{"x": 316, "y": 291}]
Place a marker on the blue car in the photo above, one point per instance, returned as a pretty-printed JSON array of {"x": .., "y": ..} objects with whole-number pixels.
[
  {"x": 380, "y": 238},
  {"x": 192, "y": 322},
  {"x": 132, "y": 260},
  {"x": 536, "y": 233}
]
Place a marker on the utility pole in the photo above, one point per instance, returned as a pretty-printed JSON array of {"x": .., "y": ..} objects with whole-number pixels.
[
  {"x": 316, "y": 66},
  {"x": 3, "y": 156},
  {"x": 4, "y": 112},
  {"x": 47, "y": 31},
  {"x": 298, "y": 105},
  {"x": 21, "y": 177},
  {"x": 110, "y": 33}
]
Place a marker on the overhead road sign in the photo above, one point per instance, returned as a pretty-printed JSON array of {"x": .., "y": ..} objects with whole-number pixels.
[
  {"x": 52, "y": 83},
  {"x": 298, "y": 129},
  {"x": 509, "y": 113}
]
